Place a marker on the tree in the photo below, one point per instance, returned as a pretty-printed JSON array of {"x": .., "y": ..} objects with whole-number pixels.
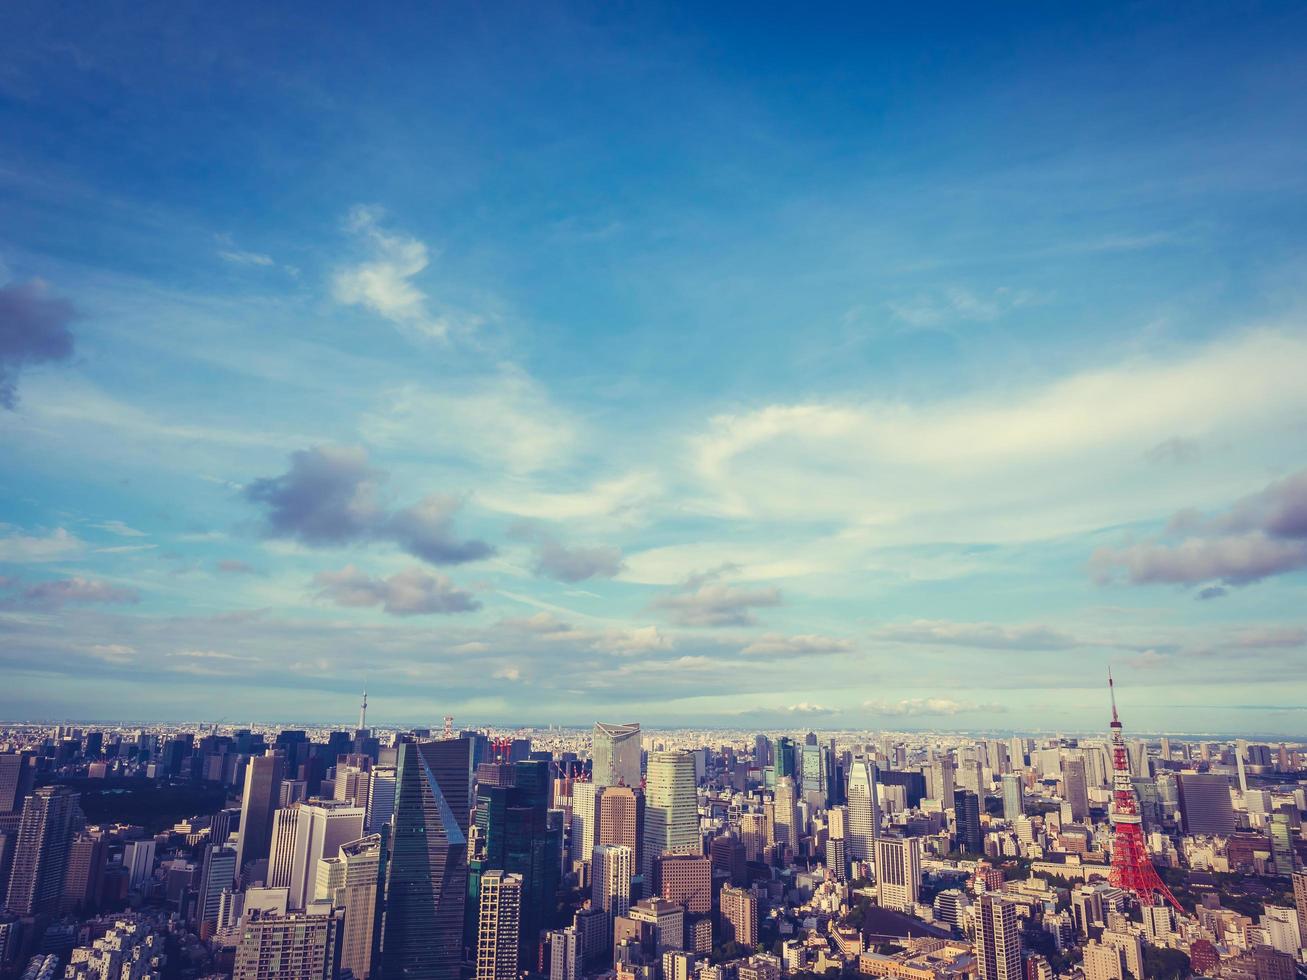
[{"x": 1165, "y": 964}]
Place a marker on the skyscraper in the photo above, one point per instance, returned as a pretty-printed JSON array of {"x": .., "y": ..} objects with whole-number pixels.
[
  {"x": 970, "y": 834},
  {"x": 352, "y": 882},
  {"x": 516, "y": 832},
  {"x": 499, "y": 925},
  {"x": 426, "y": 884},
  {"x": 218, "y": 872},
  {"x": 1205, "y": 803},
  {"x": 898, "y": 872},
  {"x": 585, "y": 820},
  {"x": 863, "y": 810},
  {"x": 786, "y": 813},
  {"x": 671, "y": 814},
  {"x": 1013, "y": 797},
  {"x": 998, "y": 941},
  {"x": 615, "y": 755},
  {"x": 258, "y": 807},
  {"x": 381, "y": 798},
  {"x": 621, "y": 818},
  {"x": 305, "y": 834},
  {"x": 611, "y": 878},
  {"x": 36, "y": 877},
  {"x": 15, "y": 780},
  {"x": 1076, "y": 788}
]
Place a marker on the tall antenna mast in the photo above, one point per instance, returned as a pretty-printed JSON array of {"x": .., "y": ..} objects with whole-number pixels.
[{"x": 363, "y": 708}]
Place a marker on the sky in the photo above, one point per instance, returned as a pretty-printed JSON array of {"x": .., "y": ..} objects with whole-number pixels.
[{"x": 896, "y": 366}]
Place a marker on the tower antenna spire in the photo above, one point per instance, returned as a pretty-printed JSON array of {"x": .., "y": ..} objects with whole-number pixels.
[
  {"x": 363, "y": 708},
  {"x": 1111, "y": 690}
]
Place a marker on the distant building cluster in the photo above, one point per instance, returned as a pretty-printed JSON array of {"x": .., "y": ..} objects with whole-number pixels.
[{"x": 626, "y": 854}]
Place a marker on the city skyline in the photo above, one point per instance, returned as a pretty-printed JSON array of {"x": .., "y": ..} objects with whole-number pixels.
[{"x": 894, "y": 373}]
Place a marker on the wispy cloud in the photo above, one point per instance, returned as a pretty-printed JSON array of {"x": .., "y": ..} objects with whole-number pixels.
[{"x": 384, "y": 281}]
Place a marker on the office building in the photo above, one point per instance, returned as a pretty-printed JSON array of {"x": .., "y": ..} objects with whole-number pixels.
[
  {"x": 564, "y": 954},
  {"x": 1205, "y": 803},
  {"x": 305, "y": 834},
  {"x": 863, "y": 811},
  {"x": 582, "y": 833},
  {"x": 621, "y": 818},
  {"x": 786, "y": 827},
  {"x": 667, "y": 918},
  {"x": 610, "y": 875},
  {"x": 998, "y": 940},
  {"x": 971, "y": 838},
  {"x": 217, "y": 874},
  {"x": 499, "y": 926},
  {"x": 295, "y": 946},
  {"x": 1076, "y": 788},
  {"x": 685, "y": 879},
  {"x": 671, "y": 812},
  {"x": 739, "y": 916},
  {"x": 381, "y": 798},
  {"x": 426, "y": 881},
  {"x": 15, "y": 780},
  {"x": 41, "y": 846},
  {"x": 259, "y": 805},
  {"x": 898, "y": 872},
  {"x": 1013, "y": 796},
  {"x": 138, "y": 859},
  {"x": 352, "y": 882},
  {"x": 615, "y": 755}
]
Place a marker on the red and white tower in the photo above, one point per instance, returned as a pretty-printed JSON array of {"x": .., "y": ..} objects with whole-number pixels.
[{"x": 1131, "y": 867}]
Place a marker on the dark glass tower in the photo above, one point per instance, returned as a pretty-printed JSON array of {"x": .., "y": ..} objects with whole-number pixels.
[
  {"x": 427, "y": 878},
  {"x": 517, "y": 833},
  {"x": 970, "y": 837}
]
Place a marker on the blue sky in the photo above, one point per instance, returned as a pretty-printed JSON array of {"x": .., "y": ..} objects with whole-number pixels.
[{"x": 751, "y": 365}]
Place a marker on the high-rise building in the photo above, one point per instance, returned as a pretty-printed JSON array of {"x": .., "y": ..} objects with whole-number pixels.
[
  {"x": 621, "y": 818},
  {"x": 898, "y": 872},
  {"x": 998, "y": 940},
  {"x": 138, "y": 859},
  {"x": 615, "y": 755},
  {"x": 15, "y": 780},
  {"x": 1205, "y": 803},
  {"x": 739, "y": 916},
  {"x": 1076, "y": 788},
  {"x": 426, "y": 881},
  {"x": 305, "y": 834},
  {"x": 667, "y": 918},
  {"x": 942, "y": 782},
  {"x": 1103, "y": 962},
  {"x": 499, "y": 926},
  {"x": 36, "y": 877},
  {"x": 83, "y": 877},
  {"x": 218, "y": 872},
  {"x": 296, "y": 946},
  {"x": 814, "y": 772},
  {"x": 785, "y": 817},
  {"x": 610, "y": 873},
  {"x": 258, "y": 807},
  {"x": 971, "y": 837},
  {"x": 1300, "y": 901},
  {"x": 671, "y": 812},
  {"x": 352, "y": 882},
  {"x": 381, "y": 798},
  {"x": 516, "y": 832},
  {"x": 585, "y": 820},
  {"x": 1013, "y": 797},
  {"x": 564, "y": 954},
  {"x": 686, "y": 879},
  {"x": 863, "y": 810}
]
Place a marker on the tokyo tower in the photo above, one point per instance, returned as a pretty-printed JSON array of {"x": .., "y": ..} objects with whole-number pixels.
[{"x": 1131, "y": 868}]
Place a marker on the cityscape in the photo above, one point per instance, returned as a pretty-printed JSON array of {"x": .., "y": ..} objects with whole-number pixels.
[
  {"x": 647, "y": 854},
  {"x": 500, "y": 490}
]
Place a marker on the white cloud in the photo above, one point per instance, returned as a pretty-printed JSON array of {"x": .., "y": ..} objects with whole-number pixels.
[
  {"x": 21, "y": 548},
  {"x": 239, "y": 257},
  {"x": 913, "y": 707},
  {"x": 1064, "y": 456},
  {"x": 120, "y": 529},
  {"x": 779, "y": 645},
  {"x": 505, "y": 420},
  {"x": 383, "y": 282}
]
